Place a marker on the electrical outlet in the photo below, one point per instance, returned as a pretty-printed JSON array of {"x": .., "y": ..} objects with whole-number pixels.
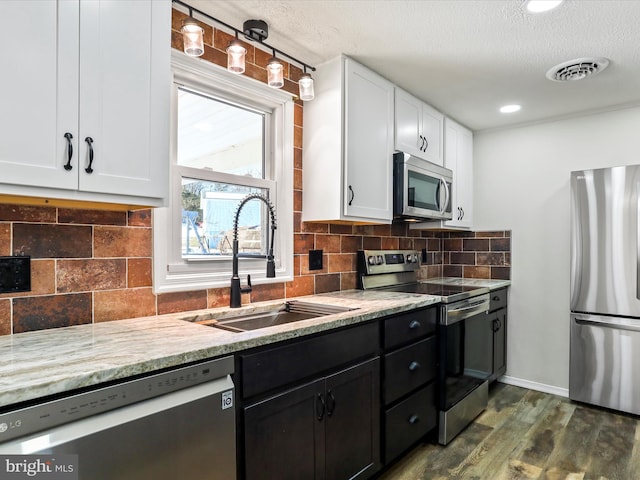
[
  {"x": 315, "y": 259},
  {"x": 15, "y": 274}
]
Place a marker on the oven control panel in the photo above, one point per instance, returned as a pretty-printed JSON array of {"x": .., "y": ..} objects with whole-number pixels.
[{"x": 372, "y": 262}]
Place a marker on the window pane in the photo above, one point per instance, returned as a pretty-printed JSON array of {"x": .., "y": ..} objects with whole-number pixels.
[
  {"x": 219, "y": 136},
  {"x": 208, "y": 209}
]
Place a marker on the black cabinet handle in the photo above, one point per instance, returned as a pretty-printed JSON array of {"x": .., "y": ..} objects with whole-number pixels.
[
  {"x": 89, "y": 141},
  {"x": 413, "y": 419},
  {"x": 496, "y": 298},
  {"x": 426, "y": 144},
  {"x": 422, "y": 140},
  {"x": 353, "y": 195},
  {"x": 68, "y": 136},
  {"x": 331, "y": 403},
  {"x": 414, "y": 324},
  {"x": 413, "y": 366},
  {"x": 320, "y": 402}
]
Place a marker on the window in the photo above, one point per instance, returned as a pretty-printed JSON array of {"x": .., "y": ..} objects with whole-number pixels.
[{"x": 231, "y": 136}]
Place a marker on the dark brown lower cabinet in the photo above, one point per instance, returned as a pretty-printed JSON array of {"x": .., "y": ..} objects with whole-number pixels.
[
  {"x": 497, "y": 322},
  {"x": 328, "y": 429}
]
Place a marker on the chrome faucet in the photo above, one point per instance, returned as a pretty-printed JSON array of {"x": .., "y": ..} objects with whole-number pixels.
[{"x": 236, "y": 289}]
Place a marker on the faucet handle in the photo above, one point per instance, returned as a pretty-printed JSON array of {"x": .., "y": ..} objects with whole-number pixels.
[{"x": 247, "y": 289}]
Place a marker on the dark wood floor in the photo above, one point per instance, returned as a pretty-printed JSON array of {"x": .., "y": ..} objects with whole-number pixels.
[{"x": 526, "y": 434}]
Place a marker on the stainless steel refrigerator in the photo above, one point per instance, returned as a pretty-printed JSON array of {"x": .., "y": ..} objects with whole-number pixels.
[{"x": 605, "y": 288}]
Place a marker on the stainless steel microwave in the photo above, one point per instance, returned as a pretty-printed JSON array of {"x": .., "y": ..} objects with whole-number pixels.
[{"x": 421, "y": 190}]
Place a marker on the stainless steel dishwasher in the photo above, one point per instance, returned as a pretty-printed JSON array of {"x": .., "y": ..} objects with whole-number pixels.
[{"x": 175, "y": 424}]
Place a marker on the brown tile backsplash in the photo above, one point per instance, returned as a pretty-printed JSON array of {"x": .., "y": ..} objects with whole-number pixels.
[
  {"x": 122, "y": 242},
  {"x": 95, "y": 265},
  {"x": 41, "y": 240},
  {"x": 37, "y": 313},
  {"x": 5, "y": 317},
  {"x": 126, "y": 303},
  {"x": 5, "y": 239},
  {"x": 91, "y": 274}
]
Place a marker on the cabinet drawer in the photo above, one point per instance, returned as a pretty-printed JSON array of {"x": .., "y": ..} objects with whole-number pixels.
[
  {"x": 279, "y": 366},
  {"x": 409, "y": 421},
  {"x": 410, "y": 326},
  {"x": 498, "y": 299},
  {"x": 408, "y": 368}
]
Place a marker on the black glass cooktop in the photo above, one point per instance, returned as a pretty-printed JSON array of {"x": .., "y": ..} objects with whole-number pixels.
[{"x": 449, "y": 293}]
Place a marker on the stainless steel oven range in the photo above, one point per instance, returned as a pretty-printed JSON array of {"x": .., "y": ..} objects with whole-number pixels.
[{"x": 464, "y": 344}]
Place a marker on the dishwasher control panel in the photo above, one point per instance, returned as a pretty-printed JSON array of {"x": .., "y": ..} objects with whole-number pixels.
[{"x": 30, "y": 419}]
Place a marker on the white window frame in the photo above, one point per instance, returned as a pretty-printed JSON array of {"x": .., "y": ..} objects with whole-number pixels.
[{"x": 172, "y": 273}]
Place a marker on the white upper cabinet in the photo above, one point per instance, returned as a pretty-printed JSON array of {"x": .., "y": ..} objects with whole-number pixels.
[
  {"x": 38, "y": 92},
  {"x": 418, "y": 128},
  {"x": 458, "y": 156},
  {"x": 348, "y": 145},
  {"x": 87, "y": 100}
]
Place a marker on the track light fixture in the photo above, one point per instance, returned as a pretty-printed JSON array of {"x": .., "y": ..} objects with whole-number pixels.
[
  {"x": 275, "y": 72},
  {"x": 253, "y": 31},
  {"x": 192, "y": 36},
  {"x": 235, "y": 56},
  {"x": 305, "y": 83}
]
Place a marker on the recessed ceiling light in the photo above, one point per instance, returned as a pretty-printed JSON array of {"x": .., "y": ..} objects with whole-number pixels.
[
  {"x": 537, "y": 6},
  {"x": 510, "y": 108}
]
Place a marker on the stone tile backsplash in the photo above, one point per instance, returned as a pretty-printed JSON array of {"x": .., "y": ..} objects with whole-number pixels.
[{"x": 95, "y": 266}]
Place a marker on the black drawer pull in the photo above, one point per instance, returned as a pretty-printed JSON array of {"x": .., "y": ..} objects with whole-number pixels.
[
  {"x": 496, "y": 298},
  {"x": 414, "y": 324},
  {"x": 413, "y": 366},
  {"x": 331, "y": 403},
  {"x": 320, "y": 403},
  {"x": 413, "y": 419}
]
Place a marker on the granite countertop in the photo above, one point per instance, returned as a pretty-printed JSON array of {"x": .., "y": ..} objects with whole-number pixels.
[{"x": 46, "y": 362}]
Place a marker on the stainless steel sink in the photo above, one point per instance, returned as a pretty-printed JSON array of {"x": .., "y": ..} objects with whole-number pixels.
[{"x": 278, "y": 314}]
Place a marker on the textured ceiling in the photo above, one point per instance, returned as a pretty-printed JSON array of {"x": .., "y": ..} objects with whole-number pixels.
[{"x": 465, "y": 57}]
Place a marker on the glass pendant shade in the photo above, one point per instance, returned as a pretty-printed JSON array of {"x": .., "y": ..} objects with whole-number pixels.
[
  {"x": 275, "y": 73},
  {"x": 306, "y": 87},
  {"x": 235, "y": 57},
  {"x": 193, "y": 38}
]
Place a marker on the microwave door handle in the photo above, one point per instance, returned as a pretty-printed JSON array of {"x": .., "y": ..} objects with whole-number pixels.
[{"x": 443, "y": 207}]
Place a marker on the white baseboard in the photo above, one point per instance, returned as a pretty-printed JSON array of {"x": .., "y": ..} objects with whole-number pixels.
[{"x": 541, "y": 387}]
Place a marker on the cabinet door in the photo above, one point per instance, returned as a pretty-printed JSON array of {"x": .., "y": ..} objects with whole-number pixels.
[
  {"x": 432, "y": 123},
  {"x": 38, "y": 92},
  {"x": 124, "y": 96},
  {"x": 352, "y": 427},
  {"x": 500, "y": 343},
  {"x": 284, "y": 435},
  {"x": 369, "y": 144},
  {"x": 458, "y": 157},
  {"x": 408, "y": 115}
]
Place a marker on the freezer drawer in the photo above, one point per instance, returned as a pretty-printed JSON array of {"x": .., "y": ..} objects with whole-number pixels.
[{"x": 605, "y": 362}]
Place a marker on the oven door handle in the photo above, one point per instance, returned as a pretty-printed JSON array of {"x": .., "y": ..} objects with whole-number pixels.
[
  {"x": 469, "y": 307},
  {"x": 456, "y": 315}
]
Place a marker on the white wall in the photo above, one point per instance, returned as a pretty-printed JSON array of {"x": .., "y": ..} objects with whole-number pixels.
[{"x": 522, "y": 185}]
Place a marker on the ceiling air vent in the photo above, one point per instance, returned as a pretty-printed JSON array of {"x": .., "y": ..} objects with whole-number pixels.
[{"x": 578, "y": 69}]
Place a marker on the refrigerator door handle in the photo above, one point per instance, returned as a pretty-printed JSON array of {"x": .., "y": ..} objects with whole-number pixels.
[
  {"x": 608, "y": 323},
  {"x": 638, "y": 241}
]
